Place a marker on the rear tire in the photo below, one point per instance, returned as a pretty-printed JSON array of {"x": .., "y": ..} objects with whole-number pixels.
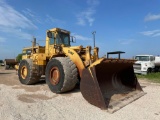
[
  {"x": 25, "y": 72},
  {"x": 61, "y": 74}
]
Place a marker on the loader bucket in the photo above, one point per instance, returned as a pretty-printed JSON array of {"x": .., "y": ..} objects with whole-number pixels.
[{"x": 110, "y": 84}]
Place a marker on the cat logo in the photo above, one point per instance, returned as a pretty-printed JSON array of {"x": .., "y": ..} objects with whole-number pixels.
[{"x": 70, "y": 52}]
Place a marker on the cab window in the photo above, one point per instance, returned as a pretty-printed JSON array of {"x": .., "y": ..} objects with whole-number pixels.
[
  {"x": 63, "y": 39},
  {"x": 28, "y": 52},
  {"x": 52, "y": 39}
]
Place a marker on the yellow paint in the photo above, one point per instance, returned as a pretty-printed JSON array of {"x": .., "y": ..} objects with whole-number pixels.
[
  {"x": 96, "y": 62},
  {"x": 16, "y": 67},
  {"x": 80, "y": 55},
  {"x": 24, "y": 72},
  {"x": 41, "y": 62}
]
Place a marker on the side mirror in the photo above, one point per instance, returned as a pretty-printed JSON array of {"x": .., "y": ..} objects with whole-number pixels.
[
  {"x": 49, "y": 34},
  {"x": 73, "y": 39}
]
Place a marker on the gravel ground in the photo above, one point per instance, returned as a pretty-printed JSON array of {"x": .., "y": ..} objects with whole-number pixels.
[{"x": 37, "y": 102}]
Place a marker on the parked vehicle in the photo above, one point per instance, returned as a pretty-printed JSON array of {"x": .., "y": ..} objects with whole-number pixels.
[
  {"x": 146, "y": 64},
  {"x": 1, "y": 63},
  {"x": 10, "y": 63}
]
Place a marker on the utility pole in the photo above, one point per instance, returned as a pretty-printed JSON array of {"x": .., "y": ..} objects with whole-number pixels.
[{"x": 94, "y": 32}]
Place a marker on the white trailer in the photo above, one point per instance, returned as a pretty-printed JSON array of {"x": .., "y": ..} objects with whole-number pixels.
[{"x": 146, "y": 64}]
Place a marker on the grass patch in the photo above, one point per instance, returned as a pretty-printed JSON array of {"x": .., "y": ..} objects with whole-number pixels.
[{"x": 154, "y": 77}]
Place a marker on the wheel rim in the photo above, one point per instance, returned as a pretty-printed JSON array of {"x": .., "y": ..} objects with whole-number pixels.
[
  {"x": 54, "y": 75},
  {"x": 24, "y": 72}
]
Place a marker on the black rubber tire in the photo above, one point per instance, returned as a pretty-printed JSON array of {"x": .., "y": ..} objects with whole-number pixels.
[
  {"x": 68, "y": 74},
  {"x": 149, "y": 71},
  {"x": 30, "y": 78},
  {"x": 6, "y": 67}
]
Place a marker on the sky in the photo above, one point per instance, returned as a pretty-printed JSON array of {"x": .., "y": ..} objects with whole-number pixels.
[{"x": 132, "y": 26}]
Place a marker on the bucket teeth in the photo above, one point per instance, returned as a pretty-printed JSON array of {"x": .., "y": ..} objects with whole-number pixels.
[{"x": 110, "y": 85}]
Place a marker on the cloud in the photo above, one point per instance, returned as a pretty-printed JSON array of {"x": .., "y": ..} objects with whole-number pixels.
[
  {"x": 32, "y": 15},
  {"x": 48, "y": 19},
  {"x": 13, "y": 23},
  {"x": 153, "y": 33},
  {"x": 86, "y": 16},
  {"x": 157, "y": 34},
  {"x": 152, "y": 17},
  {"x": 18, "y": 33},
  {"x": 9, "y": 17},
  {"x": 53, "y": 20},
  {"x": 126, "y": 41},
  {"x": 80, "y": 37},
  {"x": 93, "y": 2},
  {"x": 2, "y": 40}
]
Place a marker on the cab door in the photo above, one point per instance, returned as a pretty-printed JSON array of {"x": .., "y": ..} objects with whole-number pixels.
[{"x": 51, "y": 44}]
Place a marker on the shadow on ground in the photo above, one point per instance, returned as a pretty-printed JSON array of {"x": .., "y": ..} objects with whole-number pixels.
[{"x": 5, "y": 73}]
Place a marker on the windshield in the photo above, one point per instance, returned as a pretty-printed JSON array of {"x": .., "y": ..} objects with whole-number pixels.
[
  {"x": 28, "y": 52},
  {"x": 142, "y": 58},
  {"x": 63, "y": 38}
]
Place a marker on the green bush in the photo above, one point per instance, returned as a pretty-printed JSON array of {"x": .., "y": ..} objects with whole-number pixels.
[
  {"x": 19, "y": 57},
  {"x": 1, "y": 61},
  {"x": 154, "y": 77}
]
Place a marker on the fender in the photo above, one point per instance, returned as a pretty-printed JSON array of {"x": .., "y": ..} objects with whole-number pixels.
[{"x": 75, "y": 58}]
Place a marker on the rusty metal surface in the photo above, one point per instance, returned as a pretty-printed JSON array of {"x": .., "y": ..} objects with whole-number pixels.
[
  {"x": 54, "y": 75},
  {"x": 10, "y": 61},
  {"x": 109, "y": 84}
]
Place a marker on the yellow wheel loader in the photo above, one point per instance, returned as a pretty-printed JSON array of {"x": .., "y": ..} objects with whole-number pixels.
[{"x": 106, "y": 83}]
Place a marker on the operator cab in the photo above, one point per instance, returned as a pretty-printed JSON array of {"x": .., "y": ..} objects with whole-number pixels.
[{"x": 58, "y": 37}]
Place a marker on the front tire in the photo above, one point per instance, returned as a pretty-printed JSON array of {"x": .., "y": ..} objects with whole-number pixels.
[
  {"x": 61, "y": 74},
  {"x": 6, "y": 67},
  {"x": 149, "y": 70},
  {"x": 25, "y": 72}
]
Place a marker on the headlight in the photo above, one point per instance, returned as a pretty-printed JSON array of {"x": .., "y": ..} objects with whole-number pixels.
[{"x": 144, "y": 68}]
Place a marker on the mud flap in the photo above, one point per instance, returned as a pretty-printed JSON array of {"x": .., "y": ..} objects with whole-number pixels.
[{"x": 110, "y": 84}]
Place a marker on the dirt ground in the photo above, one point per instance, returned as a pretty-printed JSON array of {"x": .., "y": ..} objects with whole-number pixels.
[{"x": 37, "y": 102}]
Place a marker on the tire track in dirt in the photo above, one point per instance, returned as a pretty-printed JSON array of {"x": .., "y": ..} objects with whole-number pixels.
[{"x": 31, "y": 98}]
